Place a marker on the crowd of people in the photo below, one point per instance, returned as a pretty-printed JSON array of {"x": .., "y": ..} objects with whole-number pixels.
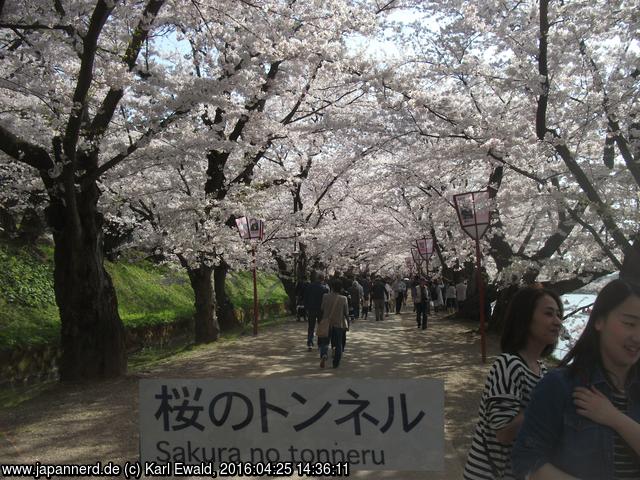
[
  {"x": 329, "y": 306},
  {"x": 580, "y": 420}
]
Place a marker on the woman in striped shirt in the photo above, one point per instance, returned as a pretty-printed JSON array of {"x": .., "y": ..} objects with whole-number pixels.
[
  {"x": 531, "y": 331},
  {"x": 584, "y": 418}
]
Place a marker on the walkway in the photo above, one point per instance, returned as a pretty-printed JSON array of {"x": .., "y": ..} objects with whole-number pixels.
[{"x": 98, "y": 422}]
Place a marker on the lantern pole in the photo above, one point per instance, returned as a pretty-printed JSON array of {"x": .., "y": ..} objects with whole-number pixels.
[
  {"x": 255, "y": 293},
  {"x": 246, "y": 233},
  {"x": 469, "y": 218},
  {"x": 483, "y": 343}
]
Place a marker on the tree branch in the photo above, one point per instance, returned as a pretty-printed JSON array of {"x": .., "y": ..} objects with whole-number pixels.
[
  {"x": 142, "y": 141},
  {"x": 287, "y": 119},
  {"x": 39, "y": 26},
  {"x": 543, "y": 71},
  {"x": 596, "y": 236},
  {"x": 23, "y": 151},
  {"x": 85, "y": 77},
  {"x": 105, "y": 113}
]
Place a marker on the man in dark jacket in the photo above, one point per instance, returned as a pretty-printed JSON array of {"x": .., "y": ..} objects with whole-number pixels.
[
  {"x": 312, "y": 303},
  {"x": 300, "y": 311},
  {"x": 379, "y": 296}
]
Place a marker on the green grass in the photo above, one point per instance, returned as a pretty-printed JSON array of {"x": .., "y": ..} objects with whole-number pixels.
[
  {"x": 148, "y": 294},
  {"x": 28, "y": 313},
  {"x": 20, "y": 325},
  {"x": 25, "y": 279},
  {"x": 239, "y": 287}
]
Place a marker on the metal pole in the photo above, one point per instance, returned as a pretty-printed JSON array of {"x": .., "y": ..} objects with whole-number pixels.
[
  {"x": 255, "y": 295},
  {"x": 483, "y": 346}
]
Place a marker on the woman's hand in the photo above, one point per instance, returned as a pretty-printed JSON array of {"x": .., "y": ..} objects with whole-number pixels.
[{"x": 593, "y": 404}]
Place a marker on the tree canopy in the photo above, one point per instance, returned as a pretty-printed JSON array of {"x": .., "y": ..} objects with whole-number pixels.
[{"x": 163, "y": 121}]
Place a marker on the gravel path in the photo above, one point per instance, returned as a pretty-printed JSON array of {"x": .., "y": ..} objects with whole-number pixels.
[{"x": 98, "y": 421}]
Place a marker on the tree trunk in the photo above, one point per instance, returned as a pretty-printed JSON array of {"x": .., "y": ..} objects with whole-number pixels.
[
  {"x": 290, "y": 289},
  {"x": 498, "y": 316},
  {"x": 288, "y": 282},
  {"x": 31, "y": 227},
  {"x": 471, "y": 307},
  {"x": 300, "y": 279},
  {"x": 206, "y": 323},
  {"x": 226, "y": 316},
  {"x": 562, "y": 287},
  {"x": 301, "y": 271},
  {"x": 8, "y": 225},
  {"x": 92, "y": 334},
  {"x": 631, "y": 266},
  {"x": 115, "y": 235}
]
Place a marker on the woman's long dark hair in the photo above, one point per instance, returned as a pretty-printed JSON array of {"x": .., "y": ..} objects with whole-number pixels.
[
  {"x": 520, "y": 316},
  {"x": 585, "y": 355}
]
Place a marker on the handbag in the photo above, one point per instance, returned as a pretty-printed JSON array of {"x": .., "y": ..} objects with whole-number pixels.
[{"x": 323, "y": 328}]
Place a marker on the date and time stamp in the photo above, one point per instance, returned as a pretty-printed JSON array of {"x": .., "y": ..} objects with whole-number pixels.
[
  {"x": 249, "y": 469},
  {"x": 136, "y": 470}
]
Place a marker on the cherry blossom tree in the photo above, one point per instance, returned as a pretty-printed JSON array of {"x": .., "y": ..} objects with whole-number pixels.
[
  {"x": 267, "y": 67},
  {"x": 69, "y": 72},
  {"x": 473, "y": 87},
  {"x": 174, "y": 118}
]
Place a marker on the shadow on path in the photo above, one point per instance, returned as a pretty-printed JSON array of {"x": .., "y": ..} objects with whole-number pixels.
[{"x": 98, "y": 421}]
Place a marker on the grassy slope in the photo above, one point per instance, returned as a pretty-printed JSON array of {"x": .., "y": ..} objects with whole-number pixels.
[
  {"x": 239, "y": 287},
  {"x": 147, "y": 294}
]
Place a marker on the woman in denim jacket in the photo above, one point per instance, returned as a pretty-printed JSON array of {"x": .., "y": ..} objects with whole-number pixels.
[{"x": 583, "y": 418}]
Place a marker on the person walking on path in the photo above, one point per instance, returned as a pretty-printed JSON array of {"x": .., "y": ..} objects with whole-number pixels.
[
  {"x": 451, "y": 297},
  {"x": 312, "y": 304},
  {"x": 344, "y": 287},
  {"x": 356, "y": 299},
  {"x": 399, "y": 291},
  {"x": 438, "y": 299},
  {"x": 379, "y": 296},
  {"x": 461, "y": 294},
  {"x": 583, "y": 420},
  {"x": 414, "y": 292},
  {"x": 428, "y": 286},
  {"x": 422, "y": 302},
  {"x": 300, "y": 310},
  {"x": 388, "y": 297},
  {"x": 333, "y": 323},
  {"x": 531, "y": 332},
  {"x": 366, "y": 297}
]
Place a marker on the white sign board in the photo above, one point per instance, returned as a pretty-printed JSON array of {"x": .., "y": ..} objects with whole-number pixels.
[{"x": 374, "y": 424}]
